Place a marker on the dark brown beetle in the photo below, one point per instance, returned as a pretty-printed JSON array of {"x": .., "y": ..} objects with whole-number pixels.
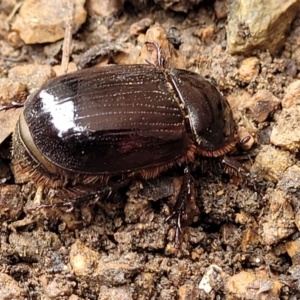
[{"x": 90, "y": 125}]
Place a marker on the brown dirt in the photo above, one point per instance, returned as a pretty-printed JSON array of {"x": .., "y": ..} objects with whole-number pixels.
[{"x": 245, "y": 229}]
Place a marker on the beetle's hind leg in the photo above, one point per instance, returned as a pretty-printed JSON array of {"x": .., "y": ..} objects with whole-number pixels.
[
  {"x": 87, "y": 198},
  {"x": 91, "y": 198},
  {"x": 82, "y": 197}
]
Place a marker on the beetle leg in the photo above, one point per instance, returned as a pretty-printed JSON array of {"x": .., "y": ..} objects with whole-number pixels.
[
  {"x": 92, "y": 197},
  {"x": 13, "y": 104},
  {"x": 88, "y": 198},
  {"x": 233, "y": 165},
  {"x": 179, "y": 209},
  {"x": 236, "y": 167},
  {"x": 69, "y": 206}
]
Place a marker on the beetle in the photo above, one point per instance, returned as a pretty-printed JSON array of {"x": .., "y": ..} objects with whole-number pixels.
[{"x": 121, "y": 121}]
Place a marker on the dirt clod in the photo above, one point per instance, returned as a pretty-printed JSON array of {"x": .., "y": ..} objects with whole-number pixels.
[{"x": 239, "y": 238}]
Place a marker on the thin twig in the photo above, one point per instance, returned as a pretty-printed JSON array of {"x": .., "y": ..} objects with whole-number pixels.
[{"x": 68, "y": 36}]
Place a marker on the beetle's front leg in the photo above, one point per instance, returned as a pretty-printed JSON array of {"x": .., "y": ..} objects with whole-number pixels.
[
  {"x": 179, "y": 209},
  {"x": 232, "y": 165}
]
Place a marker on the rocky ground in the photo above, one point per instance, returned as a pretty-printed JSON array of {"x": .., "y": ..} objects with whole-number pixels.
[{"x": 241, "y": 239}]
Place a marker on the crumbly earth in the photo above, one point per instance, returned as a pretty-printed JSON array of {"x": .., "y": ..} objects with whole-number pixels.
[{"x": 241, "y": 236}]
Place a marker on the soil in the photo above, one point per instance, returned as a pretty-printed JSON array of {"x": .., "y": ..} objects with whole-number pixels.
[{"x": 240, "y": 239}]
